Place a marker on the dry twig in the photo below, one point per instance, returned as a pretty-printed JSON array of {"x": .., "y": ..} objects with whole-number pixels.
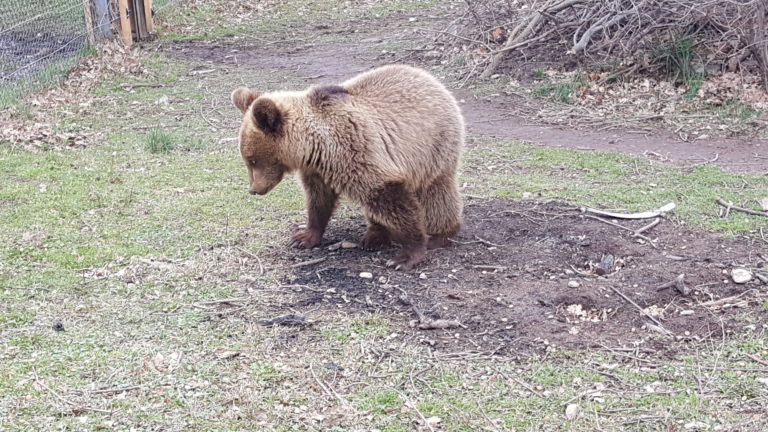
[
  {"x": 651, "y": 317},
  {"x": 729, "y": 206}
]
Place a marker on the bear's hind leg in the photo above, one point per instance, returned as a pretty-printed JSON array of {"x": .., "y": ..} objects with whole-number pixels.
[
  {"x": 442, "y": 210},
  {"x": 397, "y": 209}
]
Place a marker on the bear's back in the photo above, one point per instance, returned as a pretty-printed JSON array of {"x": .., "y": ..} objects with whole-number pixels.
[{"x": 415, "y": 120}]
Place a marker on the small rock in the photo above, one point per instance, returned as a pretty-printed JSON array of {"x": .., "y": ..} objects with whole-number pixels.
[
  {"x": 527, "y": 195},
  {"x": 348, "y": 245},
  {"x": 741, "y": 276},
  {"x": 569, "y": 272},
  {"x": 686, "y": 312},
  {"x": 572, "y": 411},
  {"x": 412, "y": 19},
  {"x": 696, "y": 425},
  {"x": 334, "y": 246},
  {"x": 366, "y": 275},
  {"x": 423, "y": 276},
  {"x": 573, "y": 284},
  {"x": 58, "y": 326},
  {"x": 333, "y": 366},
  {"x": 764, "y": 204},
  {"x": 382, "y": 280},
  {"x": 605, "y": 266}
]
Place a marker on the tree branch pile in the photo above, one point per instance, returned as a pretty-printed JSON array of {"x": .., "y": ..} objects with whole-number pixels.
[{"x": 727, "y": 35}]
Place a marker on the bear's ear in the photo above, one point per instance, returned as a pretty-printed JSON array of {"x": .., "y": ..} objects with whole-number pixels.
[
  {"x": 243, "y": 97},
  {"x": 267, "y": 116},
  {"x": 324, "y": 95}
]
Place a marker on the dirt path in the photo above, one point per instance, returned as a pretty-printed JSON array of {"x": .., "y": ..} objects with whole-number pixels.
[{"x": 485, "y": 116}]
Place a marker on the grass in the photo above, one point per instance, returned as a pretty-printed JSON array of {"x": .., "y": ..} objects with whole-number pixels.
[
  {"x": 207, "y": 22},
  {"x": 124, "y": 243},
  {"x": 613, "y": 180},
  {"x": 560, "y": 91},
  {"x": 159, "y": 142},
  {"x": 675, "y": 59}
]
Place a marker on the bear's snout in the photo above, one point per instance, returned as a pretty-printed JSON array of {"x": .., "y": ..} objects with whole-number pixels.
[{"x": 257, "y": 192}]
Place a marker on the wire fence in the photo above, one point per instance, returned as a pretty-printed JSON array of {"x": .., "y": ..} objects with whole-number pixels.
[{"x": 41, "y": 40}]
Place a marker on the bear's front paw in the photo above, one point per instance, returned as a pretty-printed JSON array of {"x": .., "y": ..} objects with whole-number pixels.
[
  {"x": 406, "y": 260},
  {"x": 306, "y": 239}
]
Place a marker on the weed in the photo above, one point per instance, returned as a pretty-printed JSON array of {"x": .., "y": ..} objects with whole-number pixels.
[
  {"x": 159, "y": 142},
  {"x": 675, "y": 58},
  {"x": 265, "y": 372},
  {"x": 694, "y": 85},
  {"x": 539, "y": 74},
  {"x": 560, "y": 91}
]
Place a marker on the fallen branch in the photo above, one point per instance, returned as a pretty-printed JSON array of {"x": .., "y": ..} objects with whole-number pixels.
[
  {"x": 642, "y": 215},
  {"x": 637, "y": 306},
  {"x": 729, "y": 206},
  {"x": 647, "y": 227},
  {"x": 724, "y": 301}
]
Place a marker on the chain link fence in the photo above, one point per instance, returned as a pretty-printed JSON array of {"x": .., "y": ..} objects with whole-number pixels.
[{"x": 40, "y": 40}]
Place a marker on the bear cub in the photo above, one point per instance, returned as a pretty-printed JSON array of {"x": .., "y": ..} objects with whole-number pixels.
[{"x": 389, "y": 139}]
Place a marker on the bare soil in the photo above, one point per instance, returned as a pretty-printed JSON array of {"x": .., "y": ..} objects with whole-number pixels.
[{"x": 506, "y": 280}]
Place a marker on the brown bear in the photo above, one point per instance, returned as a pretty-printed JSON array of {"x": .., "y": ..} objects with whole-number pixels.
[{"x": 389, "y": 139}]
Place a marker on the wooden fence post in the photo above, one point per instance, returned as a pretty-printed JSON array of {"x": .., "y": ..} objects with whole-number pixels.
[
  {"x": 148, "y": 16},
  {"x": 88, "y": 12},
  {"x": 125, "y": 23}
]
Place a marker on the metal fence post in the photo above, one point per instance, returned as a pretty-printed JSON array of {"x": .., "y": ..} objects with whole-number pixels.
[{"x": 103, "y": 24}]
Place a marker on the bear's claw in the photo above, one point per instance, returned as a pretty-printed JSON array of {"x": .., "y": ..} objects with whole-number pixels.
[{"x": 305, "y": 239}]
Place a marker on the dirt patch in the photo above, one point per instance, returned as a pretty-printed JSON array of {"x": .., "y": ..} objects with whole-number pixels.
[
  {"x": 492, "y": 116},
  {"x": 521, "y": 277}
]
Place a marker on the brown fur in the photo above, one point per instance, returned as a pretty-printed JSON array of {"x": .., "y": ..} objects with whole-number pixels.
[{"x": 389, "y": 139}]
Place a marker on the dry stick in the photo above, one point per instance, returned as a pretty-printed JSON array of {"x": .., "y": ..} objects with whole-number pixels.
[
  {"x": 308, "y": 263},
  {"x": 520, "y": 35},
  {"x": 61, "y": 398},
  {"x": 641, "y": 215},
  {"x": 630, "y": 301},
  {"x": 581, "y": 45},
  {"x": 726, "y": 300},
  {"x": 729, "y": 206},
  {"x": 325, "y": 387},
  {"x": 757, "y": 359},
  {"x": 647, "y": 227},
  {"x": 252, "y": 255}
]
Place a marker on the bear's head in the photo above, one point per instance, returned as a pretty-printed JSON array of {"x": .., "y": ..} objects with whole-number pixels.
[{"x": 261, "y": 135}]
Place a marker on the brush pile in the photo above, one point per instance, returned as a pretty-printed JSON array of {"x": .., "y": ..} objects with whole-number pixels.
[{"x": 683, "y": 39}]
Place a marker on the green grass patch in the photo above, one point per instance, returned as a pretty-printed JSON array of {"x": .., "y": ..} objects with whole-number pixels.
[
  {"x": 612, "y": 180},
  {"x": 159, "y": 142},
  {"x": 560, "y": 91}
]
